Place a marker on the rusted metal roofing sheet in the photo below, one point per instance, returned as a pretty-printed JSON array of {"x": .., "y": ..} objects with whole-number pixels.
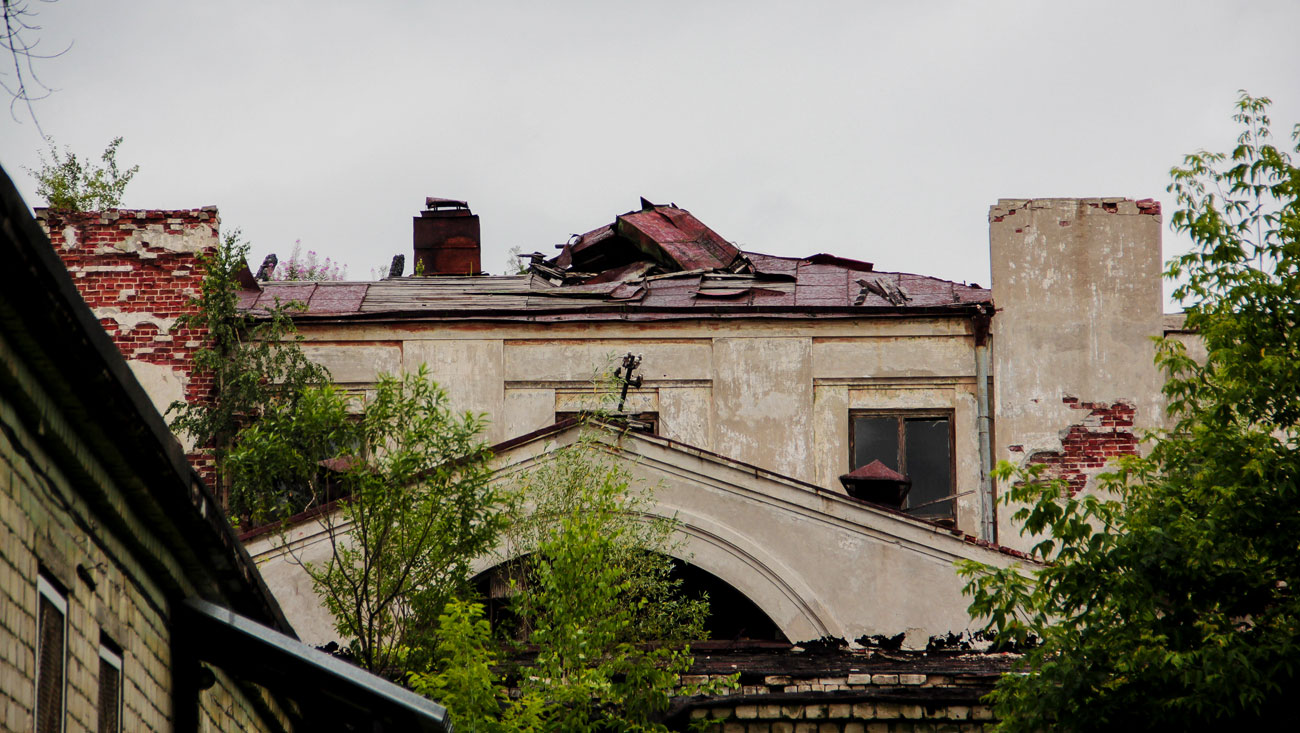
[
  {"x": 657, "y": 263},
  {"x": 816, "y": 286},
  {"x": 685, "y": 240},
  {"x": 337, "y": 297}
]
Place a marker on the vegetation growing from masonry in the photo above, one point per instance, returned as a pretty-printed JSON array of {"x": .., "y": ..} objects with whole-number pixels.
[
  {"x": 71, "y": 184},
  {"x": 308, "y": 266},
  {"x": 257, "y": 368},
  {"x": 1169, "y": 599}
]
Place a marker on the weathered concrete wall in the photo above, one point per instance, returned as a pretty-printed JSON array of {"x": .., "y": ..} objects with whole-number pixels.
[
  {"x": 816, "y": 562},
  {"x": 776, "y": 394},
  {"x": 138, "y": 271},
  {"x": 1077, "y": 286}
]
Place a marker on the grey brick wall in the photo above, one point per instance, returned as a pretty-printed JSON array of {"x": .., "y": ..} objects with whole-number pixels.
[{"x": 46, "y": 526}]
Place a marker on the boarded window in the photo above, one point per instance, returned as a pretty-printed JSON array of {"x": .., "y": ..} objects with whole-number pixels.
[
  {"x": 917, "y": 445},
  {"x": 110, "y": 687},
  {"x": 51, "y": 655}
]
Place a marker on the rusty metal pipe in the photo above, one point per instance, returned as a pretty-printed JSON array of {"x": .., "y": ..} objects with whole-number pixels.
[{"x": 988, "y": 525}]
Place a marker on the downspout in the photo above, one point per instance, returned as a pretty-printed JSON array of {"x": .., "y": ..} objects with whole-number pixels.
[{"x": 988, "y": 525}]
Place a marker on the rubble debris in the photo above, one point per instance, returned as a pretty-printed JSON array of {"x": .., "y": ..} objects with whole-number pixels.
[
  {"x": 885, "y": 643},
  {"x": 882, "y": 286}
]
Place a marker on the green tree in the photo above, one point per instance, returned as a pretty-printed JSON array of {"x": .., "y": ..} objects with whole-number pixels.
[
  {"x": 256, "y": 365},
  {"x": 608, "y": 623},
  {"x": 1169, "y": 600},
  {"x": 68, "y": 183},
  {"x": 419, "y": 506}
]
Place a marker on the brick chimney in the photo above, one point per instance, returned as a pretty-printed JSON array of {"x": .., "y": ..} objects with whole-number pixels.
[{"x": 446, "y": 238}]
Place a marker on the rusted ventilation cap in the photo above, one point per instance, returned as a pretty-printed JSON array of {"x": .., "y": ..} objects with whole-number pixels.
[
  {"x": 433, "y": 203},
  {"x": 877, "y": 483}
]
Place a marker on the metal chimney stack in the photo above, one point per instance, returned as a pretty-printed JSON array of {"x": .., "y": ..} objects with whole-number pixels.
[{"x": 447, "y": 238}]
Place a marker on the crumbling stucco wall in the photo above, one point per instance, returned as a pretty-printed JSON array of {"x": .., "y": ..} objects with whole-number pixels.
[
  {"x": 1077, "y": 286},
  {"x": 816, "y": 562},
  {"x": 773, "y": 393}
]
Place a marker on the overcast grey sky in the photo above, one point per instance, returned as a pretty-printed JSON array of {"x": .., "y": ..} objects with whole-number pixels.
[{"x": 879, "y": 131}]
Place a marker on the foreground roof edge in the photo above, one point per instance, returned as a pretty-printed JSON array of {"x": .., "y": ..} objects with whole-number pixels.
[
  {"x": 337, "y": 691},
  {"x": 85, "y": 374}
]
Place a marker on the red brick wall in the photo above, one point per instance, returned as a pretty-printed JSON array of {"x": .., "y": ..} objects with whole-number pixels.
[
  {"x": 1104, "y": 433},
  {"x": 138, "y": 271}
]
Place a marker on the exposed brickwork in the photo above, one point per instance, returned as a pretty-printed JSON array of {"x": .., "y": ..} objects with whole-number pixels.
[
  {"x": 856, "y": 703},
  {"x": 1106, "y": 432},
  {"x": 138, "y": 271},
  {"x": 894, "y": 692}
]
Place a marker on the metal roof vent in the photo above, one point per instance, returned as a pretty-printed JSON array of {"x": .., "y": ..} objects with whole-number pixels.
[{"x": 877, "y": 483}]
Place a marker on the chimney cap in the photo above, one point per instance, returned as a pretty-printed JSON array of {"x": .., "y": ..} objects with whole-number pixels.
[
  {"x": 875, "y": 471},
  {"x": 433, "y": 202}
]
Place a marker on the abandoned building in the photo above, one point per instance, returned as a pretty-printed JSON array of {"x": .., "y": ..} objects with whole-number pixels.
[
  {"x": 128, "y": 601},
  {"x": 822, "y": 430}
]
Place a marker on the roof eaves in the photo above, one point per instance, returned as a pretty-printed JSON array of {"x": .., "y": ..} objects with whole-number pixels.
[{"x": 84, "y": 372}]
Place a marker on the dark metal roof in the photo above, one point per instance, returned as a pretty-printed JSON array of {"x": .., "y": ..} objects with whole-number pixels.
[
  {"x": 654, "y": 264},
  {"x": 332, "y": 694}
]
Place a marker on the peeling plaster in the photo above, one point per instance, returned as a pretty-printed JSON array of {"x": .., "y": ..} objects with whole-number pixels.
[
  {"x": 129, "y": 321},
  {"x": 186, "y": 241}
]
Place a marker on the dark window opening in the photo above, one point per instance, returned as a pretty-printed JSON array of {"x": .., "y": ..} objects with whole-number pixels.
[
  {"x": 110, "y": 687},
  {"x": 51, "y": 655},
  {"x": 918, "y": 445},
  {"x": 732, "y": 616},
  {"x": 641, "y": 422}
]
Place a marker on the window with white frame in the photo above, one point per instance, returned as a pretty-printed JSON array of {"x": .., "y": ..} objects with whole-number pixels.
[
  {"x": 110, "y": 686},
  {"x": 51, "y": 655}
]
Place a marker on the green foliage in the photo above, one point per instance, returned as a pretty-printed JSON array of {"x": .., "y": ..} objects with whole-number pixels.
[
  {"x": 256, "y": 365},
  {"x": 596, "y": 589},
  {"x": 465, "y": 681},
  {"x": 68, "y": 183},
  {"x": 581, "y": 489},
  {"x": 1170, "y": 602},
  {"x": 419, "y": 507}
]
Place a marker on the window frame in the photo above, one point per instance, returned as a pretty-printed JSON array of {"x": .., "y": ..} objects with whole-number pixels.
[
  {"x": 111, "y": 654},
  {"x": 901, "y": 416},
  {"x": 48, "y": 590}
]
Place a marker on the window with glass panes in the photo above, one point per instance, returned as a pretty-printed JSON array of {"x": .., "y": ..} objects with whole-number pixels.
[{"x": 918, "y": 445}]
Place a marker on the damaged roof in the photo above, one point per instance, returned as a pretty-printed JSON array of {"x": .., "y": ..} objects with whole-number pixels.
[{"x": 657, "y": 262}]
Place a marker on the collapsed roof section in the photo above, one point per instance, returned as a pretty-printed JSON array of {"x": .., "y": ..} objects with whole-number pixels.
[
  {"x": 656, "y": 262},
  {"x": 653, "y": 241}
]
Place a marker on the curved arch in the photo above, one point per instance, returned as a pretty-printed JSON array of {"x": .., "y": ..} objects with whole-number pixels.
[
  {"x": 761, "y": 577},
  {"x": 739, "y": 562}
]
